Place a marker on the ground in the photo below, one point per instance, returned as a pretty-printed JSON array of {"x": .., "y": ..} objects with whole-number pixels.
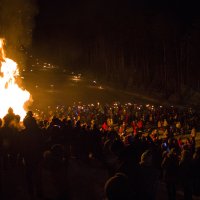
[{"x": 49, "y": 88}]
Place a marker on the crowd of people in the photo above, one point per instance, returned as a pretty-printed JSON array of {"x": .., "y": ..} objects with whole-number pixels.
[{"x": 138, "y": 146}]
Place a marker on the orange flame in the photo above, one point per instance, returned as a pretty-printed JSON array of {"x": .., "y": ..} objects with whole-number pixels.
[{"x": 11, "y": 95}]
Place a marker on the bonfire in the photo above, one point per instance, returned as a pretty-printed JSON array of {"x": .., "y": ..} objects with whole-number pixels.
[{"x": 11, "y": 94}]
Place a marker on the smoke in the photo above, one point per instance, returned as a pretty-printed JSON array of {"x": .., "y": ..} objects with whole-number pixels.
[{"x": 17, "y": 24}]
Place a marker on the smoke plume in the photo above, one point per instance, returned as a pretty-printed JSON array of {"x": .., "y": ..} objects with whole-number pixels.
[{"x": 16, "y": 25}]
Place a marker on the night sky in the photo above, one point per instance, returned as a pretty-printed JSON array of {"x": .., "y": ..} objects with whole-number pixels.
[
  {"x": 89, "y": 15},
  {"x": 68, "y": 21}
]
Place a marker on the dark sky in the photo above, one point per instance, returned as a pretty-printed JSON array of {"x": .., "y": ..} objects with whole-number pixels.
[
  {"x": 72, "y": 22},
  {"x": 78, "y": 20},
  {"x": 86, "y": 15},
  {"x": 69, "y": 11}
]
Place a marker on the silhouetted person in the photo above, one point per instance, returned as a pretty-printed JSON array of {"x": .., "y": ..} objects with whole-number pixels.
[
  {"x": 186, "y": 173},
  {"x": 118, "y": 187},
  {"x": 130, "y": 167},
  {"x": 9, "y": 135},
  {"x": 31, "y": 151},
  {"x": 149, "y": 176},
  {"x": 196, "y": 172},
  {"x": 9, "y": 117},
  {"x": 170, "y": 170},
  {"x": 53, "y": 174}
]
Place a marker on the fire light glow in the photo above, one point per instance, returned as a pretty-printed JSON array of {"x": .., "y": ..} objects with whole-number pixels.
[{"x": 11, "y": 95}]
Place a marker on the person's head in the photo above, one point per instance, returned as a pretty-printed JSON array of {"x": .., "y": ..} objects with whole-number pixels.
[
  {"x": 197, "y": 153},
  {"x": 29, "y": 121},
  {"x": 41, "y": 124},
  {"x": 146, "y": 158},
  {"x": 117, "y": 147},
  {"x": 10, "y": 111},
  {"x": 185, "y": 155},
  {"x": 17, "y": 118},
  {"x": 69, "y": 123},
  {"x": 56, "y": 120},
  {"x": 29, "y": 114},
  {"x": 118, "y": 187},
  {"x": 78, "y": 124},
  {"x": 172, "y": 152}
]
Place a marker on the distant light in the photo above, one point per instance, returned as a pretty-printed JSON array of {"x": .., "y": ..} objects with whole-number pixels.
[
  {"x": 36, "y": 86},
  {"x": 76, "y": 78},
  {"x": 100, "y": 87},
  {"x": 31, "y": 70},
  {"x": 52, "y": 85},
  {"x": 22, "y": 77}
]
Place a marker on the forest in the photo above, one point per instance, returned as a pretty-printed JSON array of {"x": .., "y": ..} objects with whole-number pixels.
[{"x": 149, "y": 45}]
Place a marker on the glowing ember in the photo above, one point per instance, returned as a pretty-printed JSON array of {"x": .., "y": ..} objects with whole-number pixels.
[{"x": 11, "y": 95}]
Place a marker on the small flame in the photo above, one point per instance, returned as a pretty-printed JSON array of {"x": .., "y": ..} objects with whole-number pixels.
[{"x": 11, "y": 95}]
